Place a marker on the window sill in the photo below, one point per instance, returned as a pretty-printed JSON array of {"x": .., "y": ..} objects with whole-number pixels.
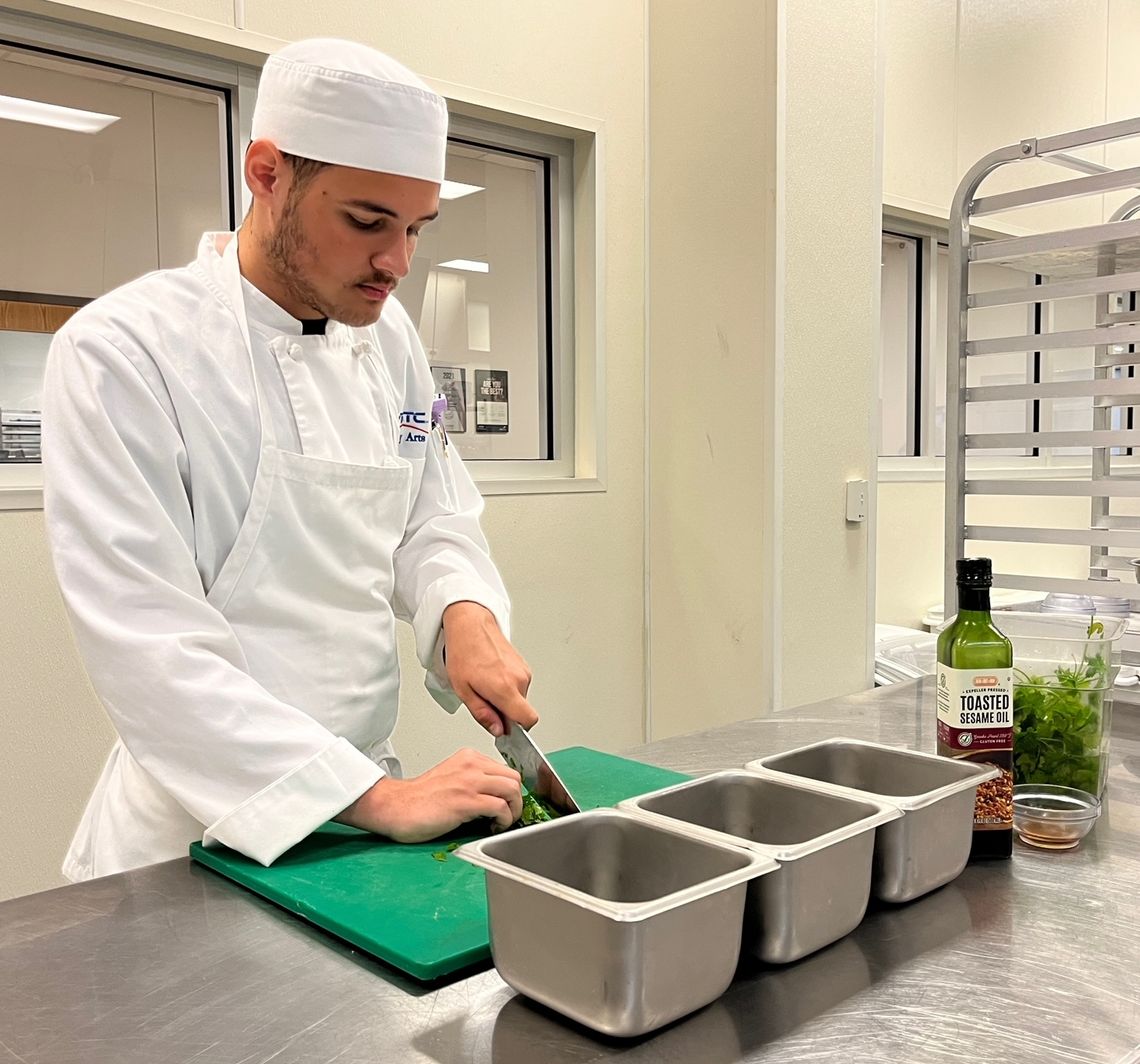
[
  {"x": 21, "y": 498},
  {"x": 560, "y": 485},
  {"x": 21, "y": 487},
  {"x": 932, "y": 470}
]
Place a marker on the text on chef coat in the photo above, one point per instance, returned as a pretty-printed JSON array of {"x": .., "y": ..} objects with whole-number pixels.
[{"x": 414, "y": 426}]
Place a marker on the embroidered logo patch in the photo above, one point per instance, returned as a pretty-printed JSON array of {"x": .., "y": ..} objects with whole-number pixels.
[{"x": 414, "y": 426}]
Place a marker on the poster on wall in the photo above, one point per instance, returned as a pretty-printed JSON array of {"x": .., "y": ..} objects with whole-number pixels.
[
  {"x": 491, "y": 402},
  {"x": 451, "y": 383}
]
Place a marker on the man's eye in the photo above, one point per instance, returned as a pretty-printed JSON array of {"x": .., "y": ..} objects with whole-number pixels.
[{"x": 358, "y": 223}]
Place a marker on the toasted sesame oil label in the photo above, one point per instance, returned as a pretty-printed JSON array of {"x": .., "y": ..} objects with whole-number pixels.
[
  {"x": 972, "y": 704},
  {"x": 975, "y": 722}
]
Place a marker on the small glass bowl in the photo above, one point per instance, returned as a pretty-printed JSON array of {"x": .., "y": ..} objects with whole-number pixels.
[{"x": 1053, "y": 818}]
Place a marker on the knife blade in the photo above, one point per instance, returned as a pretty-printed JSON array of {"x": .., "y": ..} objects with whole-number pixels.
[{"x": 521, "y": 752}]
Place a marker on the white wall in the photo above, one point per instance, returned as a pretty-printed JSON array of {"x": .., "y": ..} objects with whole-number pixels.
[
  {"x": 833, "y": 194},
  {"x": 763, "y": 304},
  {"x": 713, "y": 360},
  {"x": 964, "y": 77},
  {"x": 55, "y": 737},
  {"x": 574, "y": 563},
  {"x": 909, "y": 545}
]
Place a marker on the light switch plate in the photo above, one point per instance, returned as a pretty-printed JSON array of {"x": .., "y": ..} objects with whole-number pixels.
[{"x": 857, "y": 500}]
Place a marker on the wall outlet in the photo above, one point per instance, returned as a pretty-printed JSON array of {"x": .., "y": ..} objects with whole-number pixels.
[{"x": 857, "y": 500}]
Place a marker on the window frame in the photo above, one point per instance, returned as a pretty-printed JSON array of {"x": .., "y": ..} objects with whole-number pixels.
[
  {"x": 578, "y": 299},
  {"x": 512, "y": 476},
  {"x": 916, "y": 368},
  {"x": 923, "y": 311}
]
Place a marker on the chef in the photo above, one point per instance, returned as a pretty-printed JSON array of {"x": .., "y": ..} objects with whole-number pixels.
[{"x": 244, "y": 488}]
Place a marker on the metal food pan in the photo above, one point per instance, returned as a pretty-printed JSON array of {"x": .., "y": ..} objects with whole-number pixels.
[
  {"x": 824, "y": 844},
  {"x": 618, "y": 923},
  {"x": 930, "y": 844}
]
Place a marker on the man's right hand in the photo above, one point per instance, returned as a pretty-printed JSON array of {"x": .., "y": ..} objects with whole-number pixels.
[{"x": 466, "y": 786}]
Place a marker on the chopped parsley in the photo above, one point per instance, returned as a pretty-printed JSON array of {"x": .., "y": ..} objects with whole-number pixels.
[{"x": 534, "y": 811}]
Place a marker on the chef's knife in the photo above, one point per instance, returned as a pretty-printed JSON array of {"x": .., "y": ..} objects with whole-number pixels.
[{"x": 538, "y": 775}]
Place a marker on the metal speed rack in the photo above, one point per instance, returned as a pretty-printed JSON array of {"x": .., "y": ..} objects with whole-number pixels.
[{"x": 1100, "y": 261}]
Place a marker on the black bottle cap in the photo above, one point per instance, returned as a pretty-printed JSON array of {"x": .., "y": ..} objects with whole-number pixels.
[{"x": 975, "y": 572}]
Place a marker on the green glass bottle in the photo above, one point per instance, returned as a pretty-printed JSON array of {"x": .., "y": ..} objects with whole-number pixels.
[{"x": 975, "y": 704}]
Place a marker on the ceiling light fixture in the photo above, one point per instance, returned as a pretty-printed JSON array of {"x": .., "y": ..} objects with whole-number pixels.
[
  {"x": 466, "y": 264},
  {"x": 50, "y": 114},
  {"x": 457, "y": 190}
]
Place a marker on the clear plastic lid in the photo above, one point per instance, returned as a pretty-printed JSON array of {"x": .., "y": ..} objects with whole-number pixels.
[
  {"x": 1113, "y": 605},
  {"x": 1063, "y": 602}
]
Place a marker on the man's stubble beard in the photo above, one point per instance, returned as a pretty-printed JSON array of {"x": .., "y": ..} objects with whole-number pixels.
[{"x": 284, "y": 249}]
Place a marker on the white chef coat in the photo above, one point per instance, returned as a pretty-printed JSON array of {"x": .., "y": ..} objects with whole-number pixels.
[{"x": 237, "y": 513}]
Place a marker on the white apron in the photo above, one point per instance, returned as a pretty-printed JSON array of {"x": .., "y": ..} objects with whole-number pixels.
[{"x": 306, "y": 589}]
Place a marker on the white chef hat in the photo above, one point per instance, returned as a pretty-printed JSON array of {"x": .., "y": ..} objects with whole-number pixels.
[{"x": 345, "y": 103}]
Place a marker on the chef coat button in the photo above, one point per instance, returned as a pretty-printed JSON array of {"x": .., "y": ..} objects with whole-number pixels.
[
  {"x": 295, "y": 352},
  {"x": 361, "y": 348}
]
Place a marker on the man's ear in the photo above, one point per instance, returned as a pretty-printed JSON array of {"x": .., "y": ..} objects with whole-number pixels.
[{"x": 266, "y": 172}]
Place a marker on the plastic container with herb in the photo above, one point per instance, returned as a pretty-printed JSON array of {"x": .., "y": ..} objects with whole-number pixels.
[{"x": 1064, "y": 667}]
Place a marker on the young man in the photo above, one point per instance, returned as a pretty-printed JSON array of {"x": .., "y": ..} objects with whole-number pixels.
[{"x": 243, "y": 490}]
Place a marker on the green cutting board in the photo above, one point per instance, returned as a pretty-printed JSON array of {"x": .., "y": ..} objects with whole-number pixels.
[{"x": 400, "y": 902}]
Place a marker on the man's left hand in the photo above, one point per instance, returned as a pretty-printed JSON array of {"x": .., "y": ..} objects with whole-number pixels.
[{"x": 484, "y": 670}]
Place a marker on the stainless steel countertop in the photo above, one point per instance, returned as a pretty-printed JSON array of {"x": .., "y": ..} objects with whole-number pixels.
[{"x": 1031, "y": 961}]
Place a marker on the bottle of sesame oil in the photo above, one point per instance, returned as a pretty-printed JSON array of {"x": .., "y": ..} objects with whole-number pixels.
[{"x": 975, "y": 704}]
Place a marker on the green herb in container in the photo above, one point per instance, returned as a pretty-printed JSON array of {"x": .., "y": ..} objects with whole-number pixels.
[{"x": 1059, "y": 719}]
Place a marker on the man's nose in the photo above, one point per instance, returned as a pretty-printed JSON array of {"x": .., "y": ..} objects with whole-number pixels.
[{"x": 394, "y": 258}]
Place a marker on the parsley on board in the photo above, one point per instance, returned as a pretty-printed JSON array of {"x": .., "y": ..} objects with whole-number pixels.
[{"x": 534, "y": 811}]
